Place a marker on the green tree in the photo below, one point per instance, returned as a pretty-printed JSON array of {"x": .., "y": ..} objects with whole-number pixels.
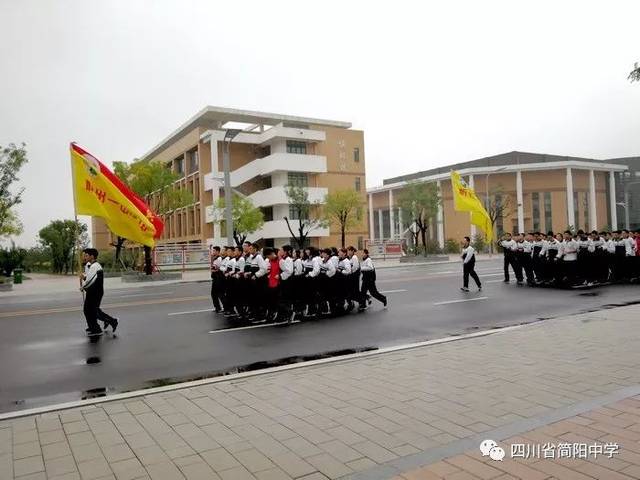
[
  {"x": 155, "y": 183},
  {"x": 419, "y": 203},
  {"x": 62, "y": 239},
  {"x": 246, "y": 218},
  {"x": 11, "y": 258},
  {"x": 341, "y": 208},
  {"x": 304, "y": 212},
  {"x": 634, "y": 76},
  {"x": 498, "y": 206},
  {"x": 12, "y": 158}
]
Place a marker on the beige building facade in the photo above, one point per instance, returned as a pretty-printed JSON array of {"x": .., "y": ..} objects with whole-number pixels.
[
  {"x": 270, "y": 152},
  {"x": 541, "y": 193}
]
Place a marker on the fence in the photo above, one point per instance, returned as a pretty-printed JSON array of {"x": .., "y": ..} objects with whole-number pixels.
[
  {"x": 182, "y": 256},
  {"x": 386, "y": 248}
]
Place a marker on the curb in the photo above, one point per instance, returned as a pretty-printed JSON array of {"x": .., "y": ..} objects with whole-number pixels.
[{"x": 236, "y": 376}]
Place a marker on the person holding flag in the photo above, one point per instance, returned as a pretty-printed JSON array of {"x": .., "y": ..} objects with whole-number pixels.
[
  {"x": 98, "y": 192},
  {"x": 466, "y": 200}
]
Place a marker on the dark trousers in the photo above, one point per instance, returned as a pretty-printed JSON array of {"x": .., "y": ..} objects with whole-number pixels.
[
  {"x": 369, "y": 285},
  {"x": 524, "y": 260},
  {"x": 216, "y": 291},
  {"x": 538, "y": 267},
  {"x": 510, "y": 259},
  {"x": 91, "y": 309},
  {"x": 469, "y": 269}
]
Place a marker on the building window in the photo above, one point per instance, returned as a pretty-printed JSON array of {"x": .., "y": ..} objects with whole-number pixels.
[
  {"x": 265, "y": 182},
  {"x": 386, "y": 224},
  {"x": 267, "y": 212},
  {"x": 295, "y": 214},
  {"x": 376, "y": 225},
  {"x": 535, "y": 200},
  {"x": 193, "y": 161},
  {"x": 548, "y": 222},
  {"x": 360, "y": 243},
  {"x": 576, "y": 211},
  {"x": 499, "y": 218},
  {"x": 294, "y": 241},
  {"x": 586, "y": 212},
  {"x": 357, "y": 186},
  {"x": 294, "y": 146},
  {"x": 356, "y": 154},
  {"x": 298, "y": 179},
  {"x": 179, "y": 165}
]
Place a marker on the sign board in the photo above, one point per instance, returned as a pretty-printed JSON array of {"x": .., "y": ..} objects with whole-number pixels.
[{"x": 385, "y": 249}]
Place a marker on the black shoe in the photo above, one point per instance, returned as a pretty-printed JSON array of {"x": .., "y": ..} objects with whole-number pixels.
[
  {"x": 384, "y": 304},
  {"x": 479, "y": 288},
  {"x": 217, "y": 310},
  {"x": 114, "y": 325},
  {"x": 520, "y": 283},
  {"x": 506, "y": 280},
  {"x": 464, "y": 289},
  {"x": 94, "y": 333}
]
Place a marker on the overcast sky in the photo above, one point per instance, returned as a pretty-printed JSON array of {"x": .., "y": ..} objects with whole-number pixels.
[{"x": 430, "y": 83}]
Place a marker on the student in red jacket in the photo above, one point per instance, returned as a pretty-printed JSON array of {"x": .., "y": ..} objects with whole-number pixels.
[{"x": 273, "y": 283}]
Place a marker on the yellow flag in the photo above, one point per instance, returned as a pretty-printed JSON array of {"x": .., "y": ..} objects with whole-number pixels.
[
  {"x": 99, "y": 193},
  {"x": 466, "y": 200}
]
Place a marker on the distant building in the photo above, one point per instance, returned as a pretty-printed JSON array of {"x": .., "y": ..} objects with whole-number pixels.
[
  {"x": 272, "y": 152},
  {"x": 546, "y": 192}
]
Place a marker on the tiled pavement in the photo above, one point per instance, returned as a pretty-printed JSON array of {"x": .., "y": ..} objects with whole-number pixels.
[{"x": 372, "y": 417}]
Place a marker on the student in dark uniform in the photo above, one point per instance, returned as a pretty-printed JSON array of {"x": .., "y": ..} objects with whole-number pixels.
[
  {"x": 537, "y": 260},
  {"x": 93, "y": 286},
  {"x": 354, "y": 288},
  {"x": 509, "y": 249},
  {"x": 468, "y": 265},
  {"x": 216, "y": 280},
  {"x": 369, "y": 283}
]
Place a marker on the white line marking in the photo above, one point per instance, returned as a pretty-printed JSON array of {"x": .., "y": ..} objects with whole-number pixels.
[
  {"x": 392, "y": 291},
  {"x": 223, "y": 330},
  {"x": 142, "y": 295},
  {"x": 460, "y": 301},
  {"x": 494, "y": 281},
  {"x": 192, "y": 311}
]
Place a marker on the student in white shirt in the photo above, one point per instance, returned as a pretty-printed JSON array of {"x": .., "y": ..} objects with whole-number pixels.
[
  {"x": 369, "y": 283},
  {"x": 468, "y": 265}
]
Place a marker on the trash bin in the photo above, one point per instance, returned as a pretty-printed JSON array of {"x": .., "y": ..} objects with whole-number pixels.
[{"x": 17, "y": 275}]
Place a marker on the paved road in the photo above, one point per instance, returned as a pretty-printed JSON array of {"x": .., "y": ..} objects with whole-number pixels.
[{"x": 168, "y": 333}]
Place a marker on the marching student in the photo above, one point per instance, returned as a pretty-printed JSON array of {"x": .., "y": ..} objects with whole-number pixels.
[
  {"x": 537, "y": 261},
  {"x": 313, "y": 281},
  {"x": 273, "y": 283},
  {"x": 468, "y": 265},
  {"x": 286, "y": 266},
  {"x": 568, "y": 254},
  {"x": 259, "y": 270},
  {"x": 369, "y": 283},
  {"x": 298, "y": 283},
  {"x": 92, "y": 283},
  {"x": 216, "y": 280},
  {"x": 509, "y": 250},
  {"x": 343, "y": 284},
  {"x": 230, "y": 290},
  {"x": 354, "y": 288},
  {"x": 525, "y": 249}
]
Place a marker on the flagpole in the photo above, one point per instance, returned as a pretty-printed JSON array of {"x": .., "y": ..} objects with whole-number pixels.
[{"x": 75, "y": 216}]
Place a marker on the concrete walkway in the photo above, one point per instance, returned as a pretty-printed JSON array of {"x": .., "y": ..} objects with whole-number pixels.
[{"x": 377, "y": 416}]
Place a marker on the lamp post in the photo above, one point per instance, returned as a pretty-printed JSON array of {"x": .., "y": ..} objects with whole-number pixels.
[
  {"x": 625, "y": 204},
  {"x": 229, "y": 135}
]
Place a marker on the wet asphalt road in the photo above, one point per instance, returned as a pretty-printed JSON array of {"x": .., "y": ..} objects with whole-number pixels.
[{"x": 168, "y": 333}]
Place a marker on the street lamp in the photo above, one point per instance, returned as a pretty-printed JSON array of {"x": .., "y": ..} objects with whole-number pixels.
[
  {"x": 486, "y": 206},
  {"x": 229, "y": 135},
  {"x": 625, "y": 204}
]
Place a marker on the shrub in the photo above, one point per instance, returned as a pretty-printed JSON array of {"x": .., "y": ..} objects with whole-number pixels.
[
  {"x": 11, "y": 258},
  {"x": 451, "y": 246}
]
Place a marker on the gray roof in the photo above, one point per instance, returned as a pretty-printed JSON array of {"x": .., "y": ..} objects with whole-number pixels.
[{"x": 511, "y": 158}]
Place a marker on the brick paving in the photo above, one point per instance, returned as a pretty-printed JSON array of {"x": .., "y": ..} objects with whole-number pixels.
[{"x": 378, "y": 416}]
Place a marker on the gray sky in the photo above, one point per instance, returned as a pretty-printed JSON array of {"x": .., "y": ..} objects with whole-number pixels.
[{"x": 430, "y": 83}]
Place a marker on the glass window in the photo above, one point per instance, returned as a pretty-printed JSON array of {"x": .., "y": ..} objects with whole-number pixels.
[
  {"x": 298, "y": 179},
  {"x": 294, "y": 146},
  {"x": 535, "y": 199},
  {"x": 586, "y": 211},
  {"x": 548, "y": 219},
  {"x": 295, "y": 214},
  {"x": 360, "y": 243},
  {"x": 193, "y": 161},
  {"x": 386, "y": 224},
  {"x": 357, "y": 186},
  {"x": 179, "y": 164},
  {"x": 356, "y": 154},
  {"x": 268, "y": 213},
  {"x": 576, "y": 210},
  {"x": 376, "y": 225},
  {"x": 265, "y": 182}
]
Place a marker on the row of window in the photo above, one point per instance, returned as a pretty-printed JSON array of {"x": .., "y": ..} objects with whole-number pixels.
[{"x": 178, "y": 164}]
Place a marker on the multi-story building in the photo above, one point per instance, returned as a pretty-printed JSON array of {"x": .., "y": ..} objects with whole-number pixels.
[
  {"x": 271, "y": 152},
  {"x": 541, "y": 193}
]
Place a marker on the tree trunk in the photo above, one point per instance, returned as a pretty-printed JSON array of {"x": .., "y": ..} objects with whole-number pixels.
[
  {"x": 423, "y": 234},
  {"x": 148, "y": 267},
  {"x": 342, "y": 235},
  {"x": 119, "y": 245}
]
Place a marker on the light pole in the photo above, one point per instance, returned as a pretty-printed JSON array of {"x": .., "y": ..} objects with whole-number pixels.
[
  {"x": 625, "y": 204},
  {"x": 229, "y": 135}
]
